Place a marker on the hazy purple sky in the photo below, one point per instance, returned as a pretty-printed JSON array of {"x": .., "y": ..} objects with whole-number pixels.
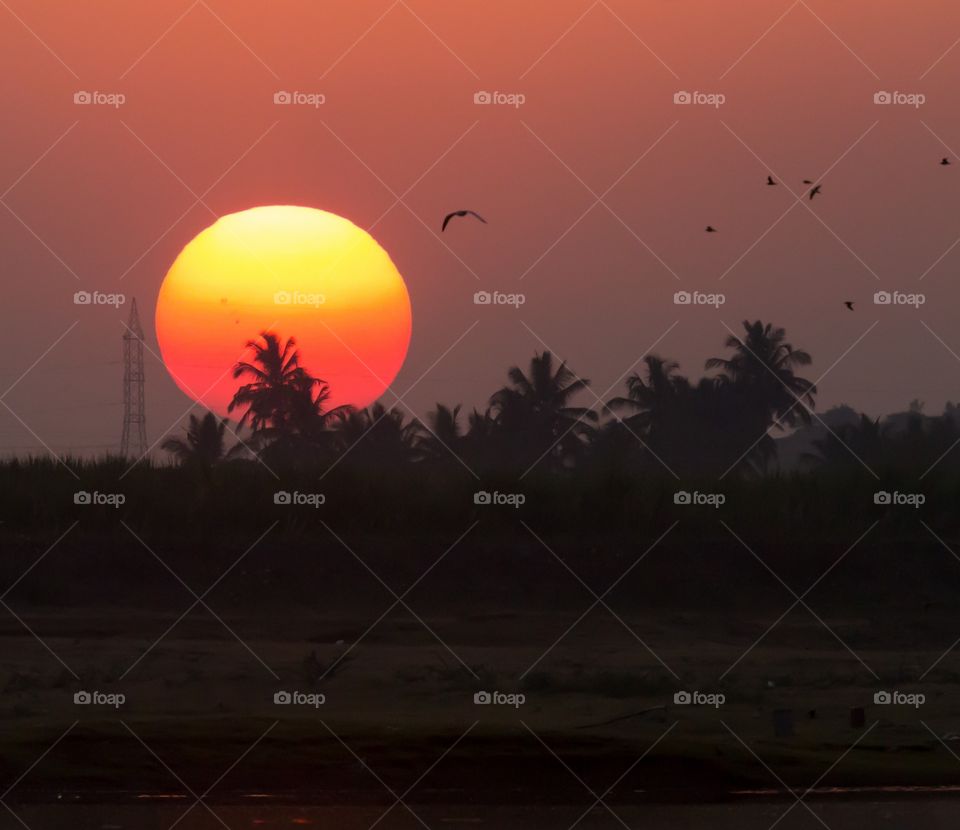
[{"x": 103, "y": 198}]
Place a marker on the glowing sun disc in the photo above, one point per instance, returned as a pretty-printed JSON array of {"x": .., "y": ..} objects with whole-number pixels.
[{"x": 297, "y": 272}]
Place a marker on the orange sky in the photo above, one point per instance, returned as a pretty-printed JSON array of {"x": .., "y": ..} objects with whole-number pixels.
[{"x": 109, "y": 207}]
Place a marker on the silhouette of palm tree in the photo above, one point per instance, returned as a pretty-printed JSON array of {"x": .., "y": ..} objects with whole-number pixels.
[
  {"x": 762, "y": 370},
  {"x": 376, "y": 436},
  {"x": 277, "y": 385},
  {"x": 655, "y": 401},
  {"x": 203, "y": 446},
  {"x": 442, "y": 433},
  {"x": 533, "y": 414}
]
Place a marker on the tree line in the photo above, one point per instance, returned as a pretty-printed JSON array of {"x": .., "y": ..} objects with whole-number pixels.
[{"x": 664, "y": 423}]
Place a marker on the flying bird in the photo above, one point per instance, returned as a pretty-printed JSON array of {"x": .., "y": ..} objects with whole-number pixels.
[
  {"x": 849, "y": 304},
  {"x": 946, "y": 161},
  {"x": 807, "y": 181},
  {"x": 815, "y": 191},
  {"x": 711, "y": 229},
  {"x": 770, "y": 181},
  {"x": 449, "y": 216}
]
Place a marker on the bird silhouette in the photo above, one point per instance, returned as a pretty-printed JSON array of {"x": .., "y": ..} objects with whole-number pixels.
[
  {"x": 946, "y": 161},
  {"x": 814, "y": 192},
  {"x": 849, "y": 304},
  {"x": 711, "y": 229},
  {"x": 449, "y": 216},
  {"x": 770, "y": 181},
  {"x": 807, "y": 181}
]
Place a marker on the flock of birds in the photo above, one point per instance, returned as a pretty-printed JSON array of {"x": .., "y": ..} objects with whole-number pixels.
[{"x": 771, "y": 182}]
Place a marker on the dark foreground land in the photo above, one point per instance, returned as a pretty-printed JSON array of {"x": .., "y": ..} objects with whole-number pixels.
[{"x": 796, "y": 623}]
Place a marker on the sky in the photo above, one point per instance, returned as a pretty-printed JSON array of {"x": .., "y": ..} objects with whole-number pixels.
[{"x": 596, "y": 182}]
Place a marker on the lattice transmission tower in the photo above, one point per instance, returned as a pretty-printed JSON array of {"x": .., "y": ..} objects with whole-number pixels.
[{"x": 134, "y": 435}]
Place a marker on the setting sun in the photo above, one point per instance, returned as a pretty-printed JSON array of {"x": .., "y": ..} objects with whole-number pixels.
[{"x": 297, "y": 272}]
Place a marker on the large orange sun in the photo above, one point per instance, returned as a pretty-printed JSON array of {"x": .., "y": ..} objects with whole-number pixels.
[{"x": 297, "y": 272}]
